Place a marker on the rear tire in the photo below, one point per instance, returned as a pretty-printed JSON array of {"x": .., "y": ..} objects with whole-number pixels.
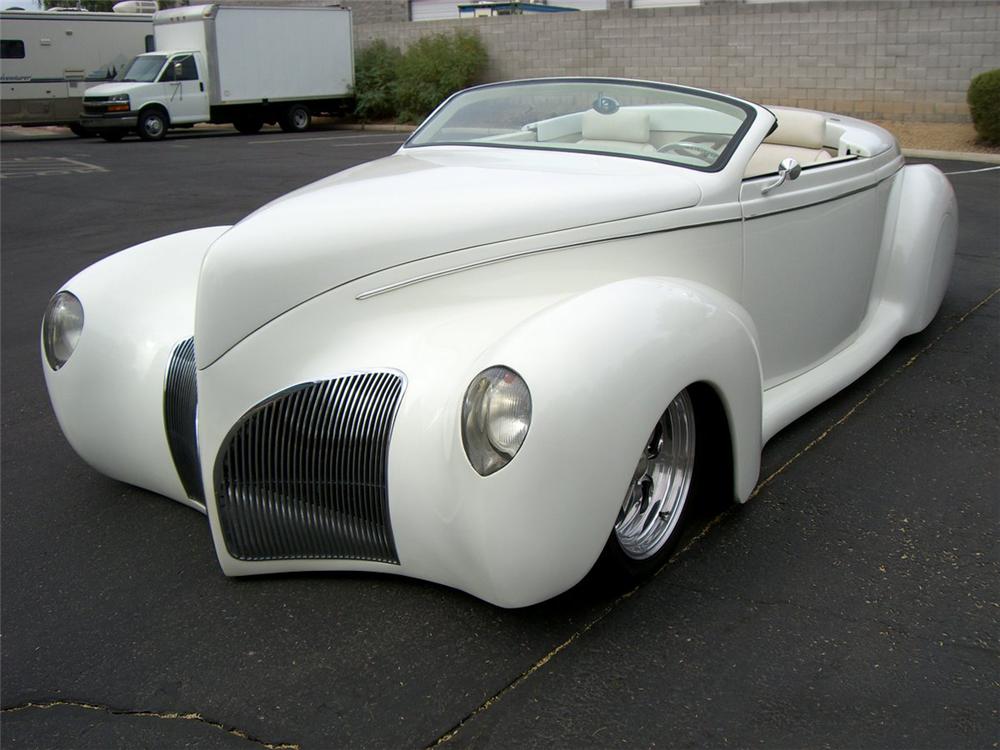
[
  {"x": 152, "y": 125},
  {"x": 296, "y": 119}
]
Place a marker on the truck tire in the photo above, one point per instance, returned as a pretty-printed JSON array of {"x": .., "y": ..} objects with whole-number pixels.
[
  {"x": 78, "y": 130},
  {"x": 113, "y": 136},
  {"x": 249, "y": 124},
  {"x": 296, "y": 119},
  {"x": 152, "y": 125}
]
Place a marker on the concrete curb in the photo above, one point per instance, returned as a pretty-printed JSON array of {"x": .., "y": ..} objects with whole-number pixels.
[{"x": 952, "y": 155}]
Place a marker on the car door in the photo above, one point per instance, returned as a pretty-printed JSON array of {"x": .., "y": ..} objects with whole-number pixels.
[
  {"x": 810, "y": 251},
  {"x": 185, "y": 90}
]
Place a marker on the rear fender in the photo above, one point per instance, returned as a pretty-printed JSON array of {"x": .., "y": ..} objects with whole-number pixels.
[{"x": 925, "y": 231}]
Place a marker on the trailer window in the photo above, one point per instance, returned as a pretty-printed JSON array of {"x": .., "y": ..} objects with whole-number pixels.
[
  {"x": 150, "y": 43},
  {"x": 11, "y": 49}
]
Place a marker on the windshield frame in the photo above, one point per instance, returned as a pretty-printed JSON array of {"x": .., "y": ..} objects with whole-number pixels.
[{"x": 723, "y": 160}]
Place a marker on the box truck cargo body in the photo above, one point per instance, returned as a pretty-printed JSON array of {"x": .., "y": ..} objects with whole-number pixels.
[
  {"x": 243, "y": 65},
  {"x": 48, "y": 60}
]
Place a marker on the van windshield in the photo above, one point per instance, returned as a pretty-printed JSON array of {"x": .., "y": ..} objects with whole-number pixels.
[{"x": 144, "y": 68}]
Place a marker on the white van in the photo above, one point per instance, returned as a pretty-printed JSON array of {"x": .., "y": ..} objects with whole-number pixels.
[{"x": 243, "y": 65}]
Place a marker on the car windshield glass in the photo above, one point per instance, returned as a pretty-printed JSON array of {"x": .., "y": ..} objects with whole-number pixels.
[
  {"x": 680, "y": 126},
  {"x": 144, "y": 68}
]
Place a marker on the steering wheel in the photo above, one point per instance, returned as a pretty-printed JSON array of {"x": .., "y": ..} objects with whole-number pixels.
[{"x": 703, "y": 147}]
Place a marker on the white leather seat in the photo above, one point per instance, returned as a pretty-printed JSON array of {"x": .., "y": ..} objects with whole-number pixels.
[
  {"x": 799, "y": 135},
  {"x": 625, "y": 131}
]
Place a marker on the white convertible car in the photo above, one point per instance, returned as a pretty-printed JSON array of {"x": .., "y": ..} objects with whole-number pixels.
[{"x": 560, "y": 315}]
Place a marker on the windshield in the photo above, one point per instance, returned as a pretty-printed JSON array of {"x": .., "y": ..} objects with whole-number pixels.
[
  {"x": 665, "y": 123},
  {"x": 144, "y": 68}
]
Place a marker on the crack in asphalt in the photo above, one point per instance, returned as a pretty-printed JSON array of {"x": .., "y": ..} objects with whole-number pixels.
[
  {"x": 168, "y": 715},
  {"x": 499, "y": 695},
  {"x": 850, "y": 412}
]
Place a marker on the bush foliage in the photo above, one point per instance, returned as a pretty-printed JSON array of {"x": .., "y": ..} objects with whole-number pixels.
[
  {"x": 984, "y": 104},
  {"x": 409, "y": 85},
  {"x": 376, "y": 70}
]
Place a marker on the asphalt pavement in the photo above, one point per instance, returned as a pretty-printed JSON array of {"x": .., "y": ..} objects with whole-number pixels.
[{"x": 853, "y": 602}]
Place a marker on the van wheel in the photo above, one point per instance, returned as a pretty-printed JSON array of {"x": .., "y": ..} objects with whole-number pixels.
[
  {"x": 296, "y": 119},
  {"x": 152, "y": 125},
  {"x": 249, "y": 124},
  {"x": 77, "y": 129},
  {"x": 113, "y": 136}
]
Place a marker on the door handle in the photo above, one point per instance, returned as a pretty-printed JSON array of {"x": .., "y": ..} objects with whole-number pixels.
[{"x": 201, "y": 86}]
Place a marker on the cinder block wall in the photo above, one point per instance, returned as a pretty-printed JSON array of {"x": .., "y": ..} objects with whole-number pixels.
[{"x": 891, "y": 59}]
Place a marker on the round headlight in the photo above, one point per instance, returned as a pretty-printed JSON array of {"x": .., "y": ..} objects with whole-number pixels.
[
  {"x": 61, "y": 328},
  {"x": 496, "y": 414}
]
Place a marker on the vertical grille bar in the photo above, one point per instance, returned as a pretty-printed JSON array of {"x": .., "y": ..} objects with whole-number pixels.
[
  {"x": 180, "y": 413},
  {"x": 303, "y": 475}
]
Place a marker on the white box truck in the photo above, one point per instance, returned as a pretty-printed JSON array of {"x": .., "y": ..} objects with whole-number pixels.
[
  {"x": 244, "y": 65},
  {"x": 48, "y": 60}
]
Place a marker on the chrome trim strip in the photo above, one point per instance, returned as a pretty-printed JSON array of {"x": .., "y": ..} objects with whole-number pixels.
[
  {"x": 523, "y": 253},
  {"x": 848, "y": 194}
]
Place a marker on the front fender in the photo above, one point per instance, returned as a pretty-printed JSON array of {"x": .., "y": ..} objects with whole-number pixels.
[
  {"x": 602, "y": 366},
  {"x": 138, "y": 304}
]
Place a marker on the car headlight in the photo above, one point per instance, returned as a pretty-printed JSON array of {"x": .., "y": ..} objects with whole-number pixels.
[
  {"x": 496, "y": 414},
  {"x": 61, "y": 328}
]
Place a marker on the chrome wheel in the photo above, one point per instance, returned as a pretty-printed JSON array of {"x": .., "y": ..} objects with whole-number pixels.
[{"x": 659, "y": 488}]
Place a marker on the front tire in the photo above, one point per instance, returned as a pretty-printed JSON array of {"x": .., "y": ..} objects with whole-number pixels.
[
  {"x": 668, "y": 480},
  {"x": 78, "y": 130},
  {"x": 249, "y": 124},
  {"x": 113, "y": 136},
  {"x": 152, "y": 125},
  {"x": 296, "y": 119}
]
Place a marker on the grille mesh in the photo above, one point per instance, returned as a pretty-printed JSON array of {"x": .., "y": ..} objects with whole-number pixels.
[
  {"x": 180, "y": 411},
  {"x": 303, "y": 475}
]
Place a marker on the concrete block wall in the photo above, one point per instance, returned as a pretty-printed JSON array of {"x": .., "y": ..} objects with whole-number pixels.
[{"x": 878, "y": 59}]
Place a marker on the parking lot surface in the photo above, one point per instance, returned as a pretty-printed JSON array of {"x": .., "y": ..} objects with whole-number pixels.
[{"x": 852, "y": 602}]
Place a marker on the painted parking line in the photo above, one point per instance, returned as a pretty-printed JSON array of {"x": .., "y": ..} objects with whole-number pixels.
[
  {"x": 972, "y": 171},
  {"x": 387, "y": 140},
  {"x": 45, "y": 166}
]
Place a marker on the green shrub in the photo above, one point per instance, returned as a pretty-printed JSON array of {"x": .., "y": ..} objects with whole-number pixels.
[
  {"x": 984, "y": 104},
  {"x": 435, "y": 67},
  {"x": 375, "y": 71}
]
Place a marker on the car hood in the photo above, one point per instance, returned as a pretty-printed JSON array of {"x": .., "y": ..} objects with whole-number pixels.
[
  {"x": 114, "y": 89},
  {"x": 415, "y": 204}
]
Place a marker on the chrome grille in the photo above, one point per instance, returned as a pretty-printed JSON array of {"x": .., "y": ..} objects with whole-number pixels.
[
  {"x": 303, "y": 474},
  {"x": 180, "y": 413}
]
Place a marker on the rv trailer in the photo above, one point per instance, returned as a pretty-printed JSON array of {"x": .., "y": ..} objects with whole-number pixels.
[{"x": 48, "y": 60}]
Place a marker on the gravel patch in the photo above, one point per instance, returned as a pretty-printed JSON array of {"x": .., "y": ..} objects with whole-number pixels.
[{"x": 937, "y": 136}]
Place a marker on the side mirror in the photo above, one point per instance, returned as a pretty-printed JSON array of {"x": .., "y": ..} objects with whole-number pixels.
[
  {"x": 789, "y": 169},
  {"x": 179, "y": 71}
]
